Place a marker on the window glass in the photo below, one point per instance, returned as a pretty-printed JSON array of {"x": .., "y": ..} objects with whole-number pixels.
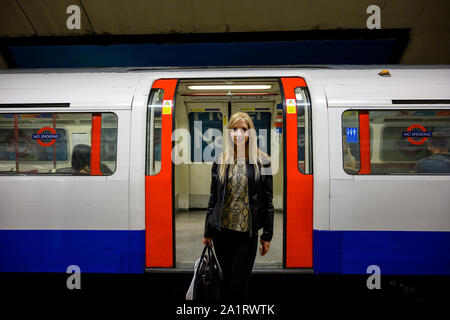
[
  {"x": 304, "y": 130},
  {"x": 28, "y": 149},
  {"x": 52, "y": 143},
  {"x": 350, "y": 142},
  {"x": 108, "y": 153},
  {"x": 206, "y": 135},
  {"x": 154, "y": 113},
  {"x": 407, "y": 141}
]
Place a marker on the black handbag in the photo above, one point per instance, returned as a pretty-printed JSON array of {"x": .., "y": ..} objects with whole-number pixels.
[{"x": 208, "y": 281}]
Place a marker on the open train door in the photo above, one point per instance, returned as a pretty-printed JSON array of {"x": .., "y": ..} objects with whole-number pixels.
[
  {"x": 298, "y": 189},
  {"x": 159, "y": 232}
]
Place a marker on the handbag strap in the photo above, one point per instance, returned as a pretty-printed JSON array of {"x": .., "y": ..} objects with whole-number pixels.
[
  {"x": 202, "y": 258},
  {"x": 217, "y": 260},
  {"x": 211, "y": 252}
]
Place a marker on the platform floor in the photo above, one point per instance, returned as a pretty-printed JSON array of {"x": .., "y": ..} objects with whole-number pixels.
[{"x": 189, "y": 228}]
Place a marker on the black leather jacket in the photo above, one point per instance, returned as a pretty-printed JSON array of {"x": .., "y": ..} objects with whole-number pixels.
[{"x": 260, "y": 199}]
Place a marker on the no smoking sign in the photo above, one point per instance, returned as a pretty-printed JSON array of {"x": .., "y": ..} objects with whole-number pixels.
[{"x": 40, "y": 135}]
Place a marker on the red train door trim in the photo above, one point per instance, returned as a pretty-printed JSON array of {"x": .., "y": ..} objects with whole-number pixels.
[
  {"x": 159, "y": 236},
  {"x": 96, "y": 143},
  {"x": 299, "y": 188},
  {"x": 365, "y": 141}
]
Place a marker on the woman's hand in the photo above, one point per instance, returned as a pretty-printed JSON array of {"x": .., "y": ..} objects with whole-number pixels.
[
  {"x": 207, "y": 241},
  {"x": 264, "y": 248}
]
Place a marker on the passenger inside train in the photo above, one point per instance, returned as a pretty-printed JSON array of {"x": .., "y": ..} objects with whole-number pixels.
[
  {"x": 439, "y": 159},
  {"x": 81, "y": 162},
  {"x": 81, "y": 158}
]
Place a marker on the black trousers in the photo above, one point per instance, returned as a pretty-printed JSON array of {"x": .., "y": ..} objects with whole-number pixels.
[{"x": 236, "y": 252}]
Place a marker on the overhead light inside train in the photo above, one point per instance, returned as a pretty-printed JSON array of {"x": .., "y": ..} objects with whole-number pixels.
[{"x": 231, "y": 87}]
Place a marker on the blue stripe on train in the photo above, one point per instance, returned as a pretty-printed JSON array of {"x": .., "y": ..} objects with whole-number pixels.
[
  {"x": 94, "y": 251},
  {"x": 348, "y": 252},
  {"x": 395, "y": 252}
]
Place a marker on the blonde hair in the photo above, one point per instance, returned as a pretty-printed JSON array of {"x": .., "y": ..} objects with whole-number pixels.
[{"x": 254, "y": 154}]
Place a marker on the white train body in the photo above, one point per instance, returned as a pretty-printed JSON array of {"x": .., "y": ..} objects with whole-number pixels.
[{"x": 48, "y": 222}]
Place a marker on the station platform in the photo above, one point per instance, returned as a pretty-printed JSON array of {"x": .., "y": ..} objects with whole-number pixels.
[{"x": 189, "y": 227}]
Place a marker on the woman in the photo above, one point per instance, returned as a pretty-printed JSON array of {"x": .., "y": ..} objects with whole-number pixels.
[
  {"x": 240, "y": 204},
  {"x": 81, "y": 158}
]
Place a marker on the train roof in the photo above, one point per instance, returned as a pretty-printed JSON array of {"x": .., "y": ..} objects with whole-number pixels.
[
  {"x": 344, "y": 85},
  {"x": 265, "y": 67}
]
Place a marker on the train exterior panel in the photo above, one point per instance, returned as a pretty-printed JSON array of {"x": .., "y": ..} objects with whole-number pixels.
[{"x": 48, "y": 221}]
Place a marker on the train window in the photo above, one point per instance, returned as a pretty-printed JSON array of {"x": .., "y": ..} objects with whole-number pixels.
[
  {"x": 406, "y": 141},
  {"x": 206, "y": 135},
  {"x": 304, "y": 130},
  {"x": 108, "y": 152},
  {"x": 154, "y": 114},
  {"x": 350, "y": 142},
  {"x": 54, "y": 143}
]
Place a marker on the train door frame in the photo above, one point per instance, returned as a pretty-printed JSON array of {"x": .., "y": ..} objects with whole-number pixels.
[
  {"x": 159, "y": 252},
  {"x": 297, "y": 228},
  {"x": 298, "y": 217}
]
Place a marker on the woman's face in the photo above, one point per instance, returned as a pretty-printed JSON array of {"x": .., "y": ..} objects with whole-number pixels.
[{"x": 239, "y": 132}]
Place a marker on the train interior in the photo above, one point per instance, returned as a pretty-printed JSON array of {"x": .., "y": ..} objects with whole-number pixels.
[{"x": 203, "y": 106}]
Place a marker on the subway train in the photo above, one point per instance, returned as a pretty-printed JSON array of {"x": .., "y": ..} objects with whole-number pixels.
[{"x": 110, "y": 169}]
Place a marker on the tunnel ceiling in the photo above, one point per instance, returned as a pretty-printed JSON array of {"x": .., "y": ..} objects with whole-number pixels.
[{"x": 426, "y": 19}]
